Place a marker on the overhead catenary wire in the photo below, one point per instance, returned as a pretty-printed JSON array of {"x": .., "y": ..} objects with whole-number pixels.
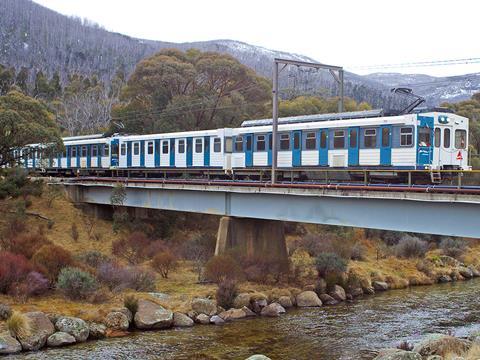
[{"x": 447, "y": 62}]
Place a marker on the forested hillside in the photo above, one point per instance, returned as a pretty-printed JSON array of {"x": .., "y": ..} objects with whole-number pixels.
[{"x": 40, "y": 39}]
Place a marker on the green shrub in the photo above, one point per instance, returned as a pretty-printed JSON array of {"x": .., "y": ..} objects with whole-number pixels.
[
  {"x": 330, "y": 263},
  {"x": 93, "y": 258},
  {"x": 226, "y": 293},
  {"x": 411, "y": 247},
  {"x": 75, "y": 283}
]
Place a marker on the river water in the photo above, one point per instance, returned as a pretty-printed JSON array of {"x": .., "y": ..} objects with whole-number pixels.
[{"x": 344, "y": 331}]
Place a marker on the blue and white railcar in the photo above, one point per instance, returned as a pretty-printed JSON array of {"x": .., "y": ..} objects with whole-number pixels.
[{"x": 431, "y": 140}]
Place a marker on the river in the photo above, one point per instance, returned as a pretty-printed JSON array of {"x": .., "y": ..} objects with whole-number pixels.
[{"x": 337, "y": 332}]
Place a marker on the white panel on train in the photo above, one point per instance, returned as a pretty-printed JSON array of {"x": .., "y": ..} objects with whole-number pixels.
[
  {"x": 180, "y": 152},
  {"x": 165, "y": 153},
  {"x": 122, "y": 160},
  {"x": 370, "y": 157},
  {"x": 216, "y": 151},
  {"x": 404, "y": 156},
  {"x": 136, "y": 153},
  {"x": 310, "y": 157},
  {"x": 338, "y": 158},
  {"x": 198, "y": 156},
  {"x": 260, "y": 158}
]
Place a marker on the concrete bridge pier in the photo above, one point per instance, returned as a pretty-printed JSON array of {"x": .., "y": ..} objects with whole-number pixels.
[{"x": 253, "y": 238}]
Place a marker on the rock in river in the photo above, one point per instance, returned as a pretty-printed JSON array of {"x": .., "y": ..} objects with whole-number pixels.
[
  {"x": 152, "y": 316},
  {"x": 41, "y": 327},
  {"x": 233, "y": 314},
  {"x": 308, "y": 299},
  {"x": 97, "y": 331},
  {"x": 117, "y": 321},
  {"x": 397, "y": 354},
  {"x": 9, "y": 345},
  {"x": 441, "y": 344},
  {"x": 328, "y": 300},
  {"x": 75, "y": 327},
  {"x": 202, "y": 319},
  {"x": 338, "y": 293},
  {"x": 285, "y": 301},
  {"x": 380, "y": 285},
  {"x": 181, "y": 320},
  {"x": 273, "y": 310},
  {"x": 60, "y": 339}
]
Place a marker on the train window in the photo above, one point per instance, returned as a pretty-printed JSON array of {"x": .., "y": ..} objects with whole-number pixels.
[
  {"x": 370, "y": 138},
  {"x": 136, "y": 148},
  {"x": 423, "y": 136},
  {"x": 94, "y": 150},
  {"x": 249, "y": 143},
  {"x": 150, "y": 148},
  {"x": 353, "y": 138},
  {"x": 114, "y": 149},
  {"x": 74, "y": 151},
  {"x": 106, "y": 150},
  {"x": 165, "y": 147},
  {"x": 181, "y": 146},
  {"x": 198, "y": 146},
  {"x": 406, "y": 136},
  {"x": 285, "y": 142},
  {"x": 385, "y": 137},
  {"x": 217, "y": 145},
  {"x": 323, "y": 139},
  {"x": 460, "y": 139},
  {"x": 446, "y": 138},
  {"x": 123, "y": 149},
  {"x": 339, "y": 139},
  {"x": 84, "y": 151},
  {"x": 296, "y": 140},
  {"x": 270, "y": 141},
  {"x": 261, "y": 143},
  {"x": 437, "y": 137},
  {"x": 239, "y": 144},
  {"x": 311, "y": 141}
]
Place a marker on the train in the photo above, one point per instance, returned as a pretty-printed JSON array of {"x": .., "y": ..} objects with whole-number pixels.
[{"x": 428, "y": 139}]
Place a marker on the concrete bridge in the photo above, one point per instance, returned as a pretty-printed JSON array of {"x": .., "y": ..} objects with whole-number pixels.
[{"x": 248, "y": 207}]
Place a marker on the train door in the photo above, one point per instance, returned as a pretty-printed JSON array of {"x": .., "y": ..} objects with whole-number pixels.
[
  {"x": 248, "y": 138},
  {"x": 353, "y": 134},
  {"x": 149, "y": 151},
  {"x": 114, "y": 153},
  {"x": 206, "y": 151},
  {"x": 269, "y": 154},
  {"x": 189, "y": 152},
  {"x": 323, "y": 148},
  {"x": 297, "y": 148},
  {"x": 424, "y": 141},
  {"x": 386, "y": 145}
]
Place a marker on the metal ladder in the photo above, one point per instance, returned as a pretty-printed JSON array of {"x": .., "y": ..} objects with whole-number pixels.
[{"x": 436, "y": 177}]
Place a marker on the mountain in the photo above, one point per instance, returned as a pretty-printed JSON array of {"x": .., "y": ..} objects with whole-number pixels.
[
  {"x": 38, "y": 38},
  {"x": 434, "y": 89}
]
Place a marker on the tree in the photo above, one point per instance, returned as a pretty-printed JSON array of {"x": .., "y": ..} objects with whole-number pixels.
[
  {"x": 24, "y": 121},
  {"x": 192, "y": 90},
  {"x": 164, "y": 262}
]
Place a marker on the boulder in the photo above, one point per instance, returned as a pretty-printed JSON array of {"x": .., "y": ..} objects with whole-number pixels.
[
  {"x": 125, "y": 311},
  {"x": 397, "y": 354},
  {"x": 440, "y": 344},
  {"x": 285, "y": 301},
  {"x": 193, "y": 314},
  {"x": 41, "y": 329},
  {"x": 117, "y": 321},
  {"x": 181, "y": 320},
  {"x": 368, "y": 290},
  {"x": 233, "y": 314},
  {"x": 466, "y": 272},
  {"x": 5, "y": 311},
  {"x": 449, "y": 261},
  {"x": 356, "y": 292},
  {"x": 444, "y": 279},
  {"x": 435, "y": 357},
  {"x": 73, "y": 326},
  {"x": 258, "y": 303},
  {"x": 9, "y": 345},
  {"x": 152, "y": 316},
  {"x": 338, "y": 293},
  {"x": 60, "y": 339},
  {"x": 96, "y": 331},
  {"x": 242, "y": 300},
  {"x": 308, "y": 299},
  {"x": 202, "y": 319},
  {"x": 309, "y": 287},
  {"x": 273, "y": 310},
  {"x": 475, "y": 272},
  {"x": 216, "y": 320},
  {"x": 54, "y": 317},
  {"x": 328, "y": 300},
  {"x": 248, "y": 312},
  {"x": 258, "y": 357},
  {"x": 380, "y": 285},
  {"x": 204, "y": 306}
]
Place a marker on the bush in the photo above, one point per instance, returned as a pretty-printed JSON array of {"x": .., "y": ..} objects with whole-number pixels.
[
  {"x": 226, "y": 293},
  {"x": 74, "y": 232},
  {"x": 19, "y": 325},
  {"x": 164, "y": 262},
  {"x": 199, "y": 249},
  {"x": 93, "y": 258},
  {"x": 330, "y": 263},
  {"x": 52, "y": 193},
  {"x": 75, "y": 283},
  {"x": 265, "y": 270},
  {"x": 222, "y": 267},
  {"x": 453, "y": 247},
  {"x": 358, "y": 252},
  {"x": 131, "y": 303},
  {"x": 117, "y": 277},
  {"x": 34, "y": 284},
  {"x": 51, "y": 259},
  {"x": 14, "y": 269},
  {"x": 27, "y": 244},
  {"x": 132, "y": 247},
  {"x": 327, "y": 242},
  {"x": 411, "y": 247}
]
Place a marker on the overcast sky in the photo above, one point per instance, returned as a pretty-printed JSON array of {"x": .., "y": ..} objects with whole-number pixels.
[{"x": 351, "y": 33}]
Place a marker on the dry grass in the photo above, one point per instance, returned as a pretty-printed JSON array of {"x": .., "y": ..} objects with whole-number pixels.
[{"x": 19, "y": 325}]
